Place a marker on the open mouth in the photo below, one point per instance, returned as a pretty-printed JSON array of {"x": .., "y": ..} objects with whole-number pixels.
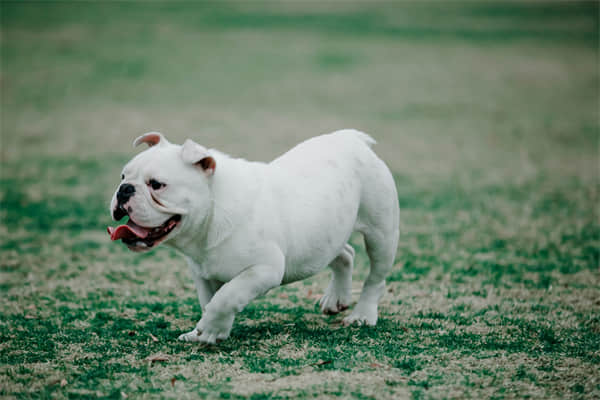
[{"x": 141, "y": 238}]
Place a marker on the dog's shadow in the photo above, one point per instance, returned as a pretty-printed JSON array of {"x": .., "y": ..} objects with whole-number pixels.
[{"x": 249, "y": 334}]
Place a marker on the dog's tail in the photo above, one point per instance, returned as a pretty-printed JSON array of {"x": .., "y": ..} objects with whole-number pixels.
[{"x": 365, "y": 138}]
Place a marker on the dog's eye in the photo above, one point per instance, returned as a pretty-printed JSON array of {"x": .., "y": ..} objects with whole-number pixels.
[
  {"x": 122, "y": 176},
  {"x": 156, "y": 184}
]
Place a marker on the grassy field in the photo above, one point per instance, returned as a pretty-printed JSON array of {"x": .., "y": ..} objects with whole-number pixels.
[{"x": 486, "y": 112}]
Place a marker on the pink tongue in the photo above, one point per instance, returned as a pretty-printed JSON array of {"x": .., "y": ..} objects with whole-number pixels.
[{"x": 129, "y": 231}]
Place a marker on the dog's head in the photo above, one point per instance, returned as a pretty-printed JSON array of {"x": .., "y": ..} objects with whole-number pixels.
[{"x": 162, "y": 189}]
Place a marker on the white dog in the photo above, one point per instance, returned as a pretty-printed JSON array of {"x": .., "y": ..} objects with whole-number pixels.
[{"x": 247, "y": 227}]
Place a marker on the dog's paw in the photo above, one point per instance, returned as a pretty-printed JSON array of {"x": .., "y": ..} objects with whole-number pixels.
[
  {"x": 335, "y": 301},
  {"x": 215, "y": 328},
  {"x": 362, "y": 316},
  {"x": 211, "y": 336},
  {"x": 191, "y": 336},
  {"x": 331, "y": 305}
]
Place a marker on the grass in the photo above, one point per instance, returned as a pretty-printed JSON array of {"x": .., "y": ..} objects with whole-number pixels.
[{"x": 486, "y": 113}]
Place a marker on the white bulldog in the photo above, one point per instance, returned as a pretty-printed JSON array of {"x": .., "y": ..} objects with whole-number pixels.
[{"x": 247, "y": 227}]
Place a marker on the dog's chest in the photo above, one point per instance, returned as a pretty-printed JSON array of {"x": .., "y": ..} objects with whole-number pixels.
[
  {"x": 221, "y": 263},
  {"x": 211, "y": 266}
]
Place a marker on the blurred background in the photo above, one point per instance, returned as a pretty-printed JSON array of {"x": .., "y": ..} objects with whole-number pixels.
[{"x": 443, "y": 86}]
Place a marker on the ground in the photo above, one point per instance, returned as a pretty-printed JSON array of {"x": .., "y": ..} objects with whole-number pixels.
[{"x": 486, "y": 112}]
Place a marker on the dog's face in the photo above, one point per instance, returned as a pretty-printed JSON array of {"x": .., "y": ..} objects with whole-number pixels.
[{"x": 162, "y": 190}]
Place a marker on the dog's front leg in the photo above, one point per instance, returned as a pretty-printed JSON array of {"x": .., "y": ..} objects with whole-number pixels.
[
  {"x": 232, "y": 297},
  {"x": 206, "y": 290}
]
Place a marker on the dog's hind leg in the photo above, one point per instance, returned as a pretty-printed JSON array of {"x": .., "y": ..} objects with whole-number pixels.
[
  {"x": 381, "y": 256},
  {"x": 338, "y": 294},
  {"x": 379, "y": 220}
]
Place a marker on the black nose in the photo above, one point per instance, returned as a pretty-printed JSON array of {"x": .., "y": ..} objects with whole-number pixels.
[
  {"x": 119, "y": 213},
  {"x": 126, "y": 190}
]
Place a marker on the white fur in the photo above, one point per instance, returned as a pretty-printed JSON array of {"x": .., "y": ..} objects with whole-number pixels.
[{"x": 249, "y": 226}]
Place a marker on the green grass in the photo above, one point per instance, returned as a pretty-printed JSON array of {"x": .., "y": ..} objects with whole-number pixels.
[{"x": 486, "y": 112}]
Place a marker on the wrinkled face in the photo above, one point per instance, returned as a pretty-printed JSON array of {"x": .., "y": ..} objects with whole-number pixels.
[{"x": 161, "y": 190}]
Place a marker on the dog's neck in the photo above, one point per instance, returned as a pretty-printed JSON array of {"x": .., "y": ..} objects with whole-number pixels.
[{"x": 234, "y": 189}]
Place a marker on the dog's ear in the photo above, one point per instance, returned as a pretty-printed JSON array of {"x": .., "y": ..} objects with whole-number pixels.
[
  {"x": 152, "y": 138},
  {"x": 193, "y": 153}
]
